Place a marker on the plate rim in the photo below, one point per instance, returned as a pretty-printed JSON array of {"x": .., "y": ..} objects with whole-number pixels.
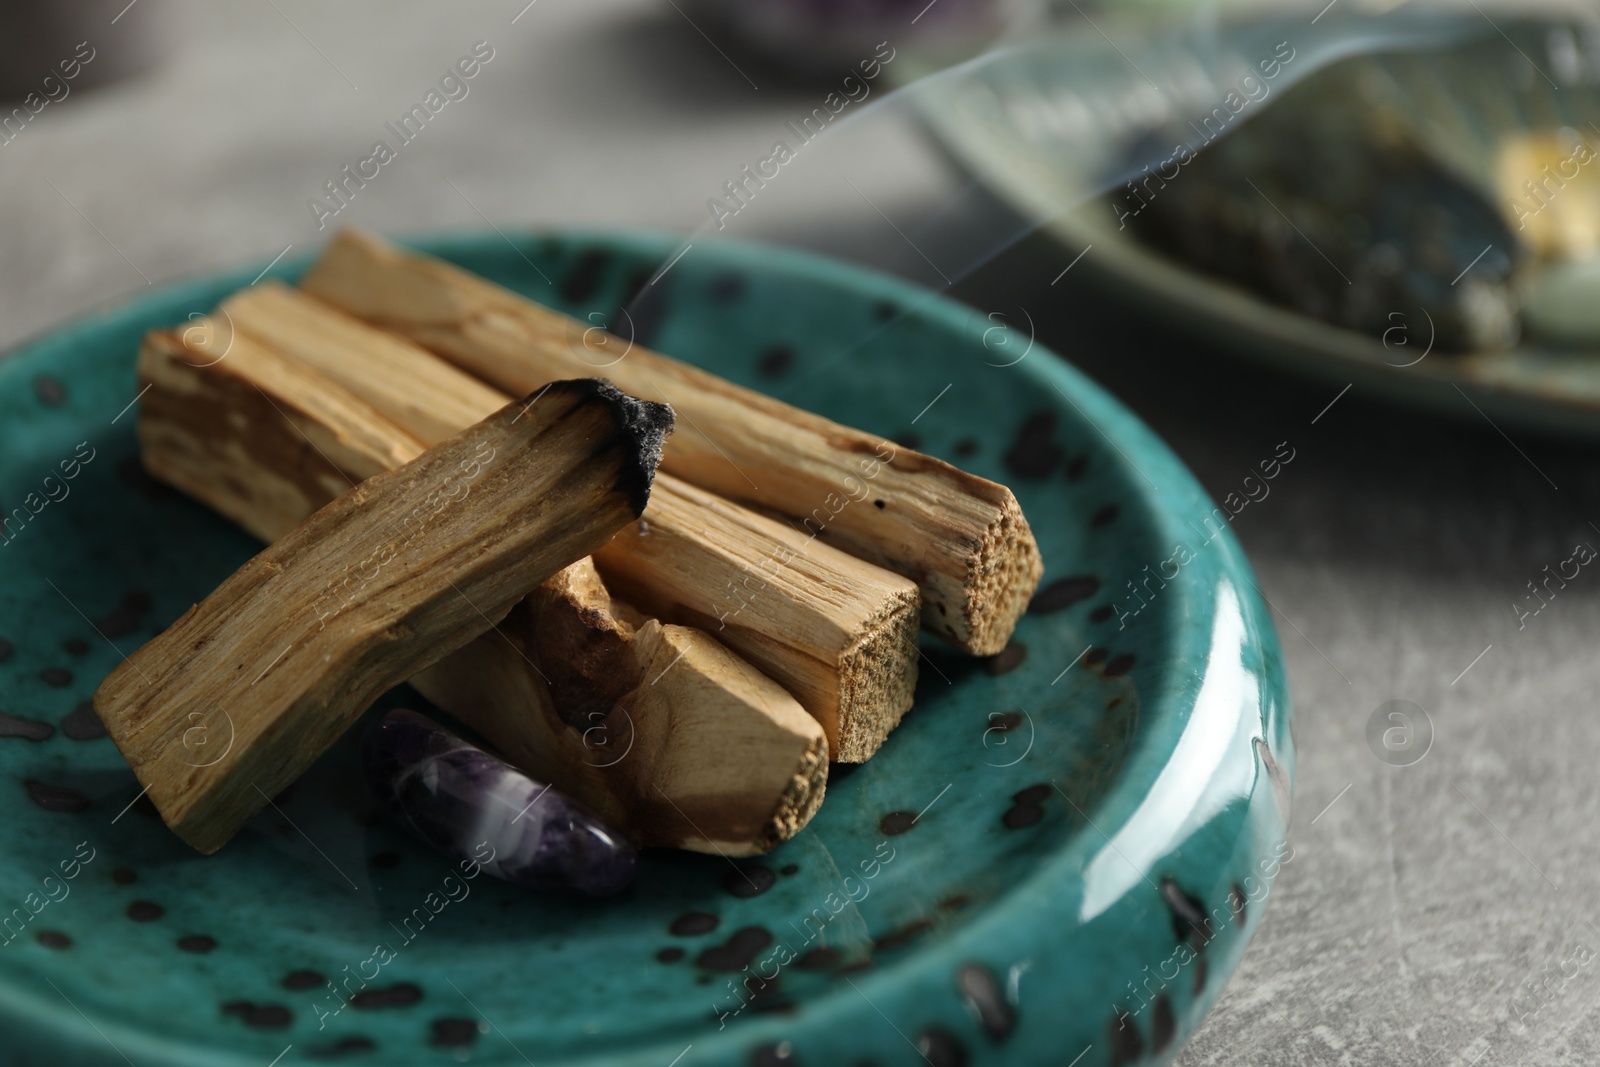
[{"x": 41, "y": 1020}]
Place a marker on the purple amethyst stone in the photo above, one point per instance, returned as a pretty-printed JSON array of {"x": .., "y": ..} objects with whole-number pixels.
[{"x": 465, "y": 802}]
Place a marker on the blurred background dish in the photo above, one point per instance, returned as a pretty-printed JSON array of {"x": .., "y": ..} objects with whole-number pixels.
[
  {"x": 57, "y": 42},
  {"x": 1409, "y": 201}
]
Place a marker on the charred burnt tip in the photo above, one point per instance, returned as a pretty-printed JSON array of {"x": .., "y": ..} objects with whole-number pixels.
[{"x": 644, "y": 423}]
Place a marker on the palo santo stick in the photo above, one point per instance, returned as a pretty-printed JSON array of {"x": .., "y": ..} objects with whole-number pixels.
[
  {"x": 301, "y": 639},
  {"x": 719, "y": 757},
  {"x": 581, "y": 637},
  {"x": 665, "y": 564},
  {"x": 962, "y": 538},
  {"x": 415, "y": 390},
  {"x": 838, "y": 633},
  {"x": 253, "y": 435},
  {"x": 661, "y": 729}
]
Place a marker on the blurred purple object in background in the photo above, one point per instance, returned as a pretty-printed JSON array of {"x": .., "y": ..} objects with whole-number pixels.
[{"x": 809, "y": 35}]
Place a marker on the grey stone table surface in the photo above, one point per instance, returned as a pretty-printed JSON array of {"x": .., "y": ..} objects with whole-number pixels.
[{"x": 1424, "y": 904}]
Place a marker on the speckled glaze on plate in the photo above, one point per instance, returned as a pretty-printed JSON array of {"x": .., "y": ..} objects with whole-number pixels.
[{"x": 1062, "y": 850}]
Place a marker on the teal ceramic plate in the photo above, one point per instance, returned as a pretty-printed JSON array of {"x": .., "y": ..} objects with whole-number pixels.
[{"x": 1061, "y": 852}]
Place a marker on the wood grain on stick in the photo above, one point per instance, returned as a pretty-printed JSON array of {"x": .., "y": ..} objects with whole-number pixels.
[
  {"x": 836, "y": 632},
  {"x": 962, "y": 538},
  {"x": 257, "y": 438},
  {"x": 796, "y": 610},
  {"x": 661, "y": 729},
  {"x": 412, "y": 564}
]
